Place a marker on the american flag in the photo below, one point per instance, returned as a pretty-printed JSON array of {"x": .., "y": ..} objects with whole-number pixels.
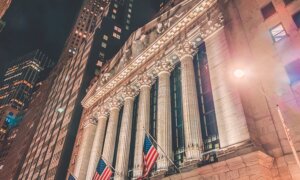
[
  {"x": 150, "y": 156},
  {"x": 103, "y": 172},
  {"x": 71, "y": 177}
]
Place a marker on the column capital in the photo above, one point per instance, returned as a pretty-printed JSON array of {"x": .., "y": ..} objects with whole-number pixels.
[
  {"x": 145, "y": 80},
  {"x": 91, "y": 120},
  {"x": 185, "y": 48},
  {"x": 115, "y": 102},
  {"x": 102, "y": 111},
  {"x": 129, "y": 92},
  {"x": 163, "y": 66}
]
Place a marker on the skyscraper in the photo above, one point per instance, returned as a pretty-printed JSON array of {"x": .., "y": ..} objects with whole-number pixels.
[
  {"x": 180, "y": 86},
  {"x": 50, "y": 149},
  {"x": 122, "y": 18},
  {"x": 4, "y": 5},
  {"x": 19, "y": 80},
  {"x": 13, "y": 151}
]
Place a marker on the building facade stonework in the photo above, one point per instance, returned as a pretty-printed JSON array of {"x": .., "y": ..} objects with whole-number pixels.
[{"x": 178, "y": 84}]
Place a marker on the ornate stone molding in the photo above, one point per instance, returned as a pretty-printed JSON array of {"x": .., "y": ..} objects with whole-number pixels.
[
  {"x": 103, "y": 111},
  {"x": 91, "y": 120},
  {"x": 129, "y": 91},
  {"x": 145, "y": 80},
  {"x": 115, "y": 102},
  {"x": 184, "y": 49},
  {"x": 163, "y": 66}
]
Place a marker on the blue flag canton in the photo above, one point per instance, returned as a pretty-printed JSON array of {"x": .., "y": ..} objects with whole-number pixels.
[
  {"x": 101, "y": 166},
  {"x": 71, "y": 177},
  {"x": 147, "y": 145}
]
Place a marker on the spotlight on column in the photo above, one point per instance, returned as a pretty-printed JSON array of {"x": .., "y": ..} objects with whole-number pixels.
[{"x": 239, "y": 73}]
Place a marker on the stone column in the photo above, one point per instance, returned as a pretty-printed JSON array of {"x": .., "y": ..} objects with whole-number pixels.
[
  {"x": 191, "y": 117},
  {"x": 125, "y": 134},
  {"x": 231, "y": 120},
  {"x": 98, "y": 142},
  {"x": 143, "y": 121},
  {"x": 111, "y": 131},
  {"x": 86, "y": 143},
  {"x": 164, "y": 124}
]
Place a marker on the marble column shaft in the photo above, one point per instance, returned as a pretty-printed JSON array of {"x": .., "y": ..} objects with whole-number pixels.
[
  {"x": 143, "y": 121},
  {"x": 191, "y": 116},
  {"x": 164, "y": 124},
  {"x": 97, "y": 145},
  {"x": 84, "y": 151},
  {"x": 125, "y": 138},
  {"x": 111, "y": 134}
]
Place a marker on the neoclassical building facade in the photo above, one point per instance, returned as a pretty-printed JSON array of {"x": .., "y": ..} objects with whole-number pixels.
[{"x": 174, "y": 78}]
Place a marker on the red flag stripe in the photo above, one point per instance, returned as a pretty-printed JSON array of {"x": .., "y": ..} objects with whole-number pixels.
[
  {"x": 107, "y": 173},
  {"x": 152, "y": 162},
  {"x": 104, "y": 174},
  {"x": 151, "y": 155}
]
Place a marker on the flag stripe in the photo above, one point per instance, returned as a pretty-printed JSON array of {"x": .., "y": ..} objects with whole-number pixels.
[{"x": 150, "y": 156}]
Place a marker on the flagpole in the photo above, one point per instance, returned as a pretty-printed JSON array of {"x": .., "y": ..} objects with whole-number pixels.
[
  {"x": 286, "y": 130},
  {"x": 163, "y": 152}
]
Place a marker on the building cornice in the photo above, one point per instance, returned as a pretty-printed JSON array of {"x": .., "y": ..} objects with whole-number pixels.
[{"x": 105, "y": 86}]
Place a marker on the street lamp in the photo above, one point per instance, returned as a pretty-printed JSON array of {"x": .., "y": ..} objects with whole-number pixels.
[{"x": 240, "y": 73}]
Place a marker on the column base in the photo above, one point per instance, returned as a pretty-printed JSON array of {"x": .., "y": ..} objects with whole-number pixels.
[
  {"x": 237, "y": 150},
  {"x": 158, "y": 174},
  {"x": 253, "y": 165},
  {"x": 193, "y": 154}
]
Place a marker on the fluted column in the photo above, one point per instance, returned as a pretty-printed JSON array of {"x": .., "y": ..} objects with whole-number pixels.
[
  {"x": 111, "y": 132},
  {"x": 191, "y": 117},
  {"x": 98, "y": 142},
  {"x": 231, "y": 120},
  {"x": 143, "y": 121},
  {"x": 125, "y": 134},
  {"x": 85, "y": 148},
  {"x": 164, "y": 125}
]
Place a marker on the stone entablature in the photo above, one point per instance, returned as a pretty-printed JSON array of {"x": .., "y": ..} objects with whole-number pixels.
[{"x": 192, "y": 22}]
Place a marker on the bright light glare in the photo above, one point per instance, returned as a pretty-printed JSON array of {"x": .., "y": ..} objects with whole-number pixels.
[
  {"x": 60, "y": 110},
  {"x": 239, "y": 73}
]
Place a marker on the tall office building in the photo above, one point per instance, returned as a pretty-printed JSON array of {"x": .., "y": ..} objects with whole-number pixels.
[
  {"x": 211, "y": 81},
  {"x": 16, "y": 146},
  {"x": 4, "y": 5},
  {"x": 19, "y": 80},
  {"x": 122, "y": 18},
  {"x": 50, "y": 149}
]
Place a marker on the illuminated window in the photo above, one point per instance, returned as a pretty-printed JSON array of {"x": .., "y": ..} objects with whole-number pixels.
[
  {"x": 116, "y": 35},
  {"x": 278, "y": 32},
  {"x": 127, "y": 27},
  {"x": 293, "y": 72},
  {"x": 296, "y": 18},
  {"x": 130, "y": 5},
  {"x": 129, "y": 16},
  {"x": 114, "y": 11},
  {"x": 116, "y": 28},
  {"x": 113, "y": 16},
  {"x": 105, "y": 37},
  {"x": 116, "y": 5},
  {"x": 129, "y": 10},
  {"x": 103, "y": 44},
  {"x": 268, "y": 10}
]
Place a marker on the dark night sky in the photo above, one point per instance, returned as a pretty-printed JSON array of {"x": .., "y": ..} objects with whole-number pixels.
[
  {"x": 36, "y": 24},
  {"x": 45, "y": 25}
]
